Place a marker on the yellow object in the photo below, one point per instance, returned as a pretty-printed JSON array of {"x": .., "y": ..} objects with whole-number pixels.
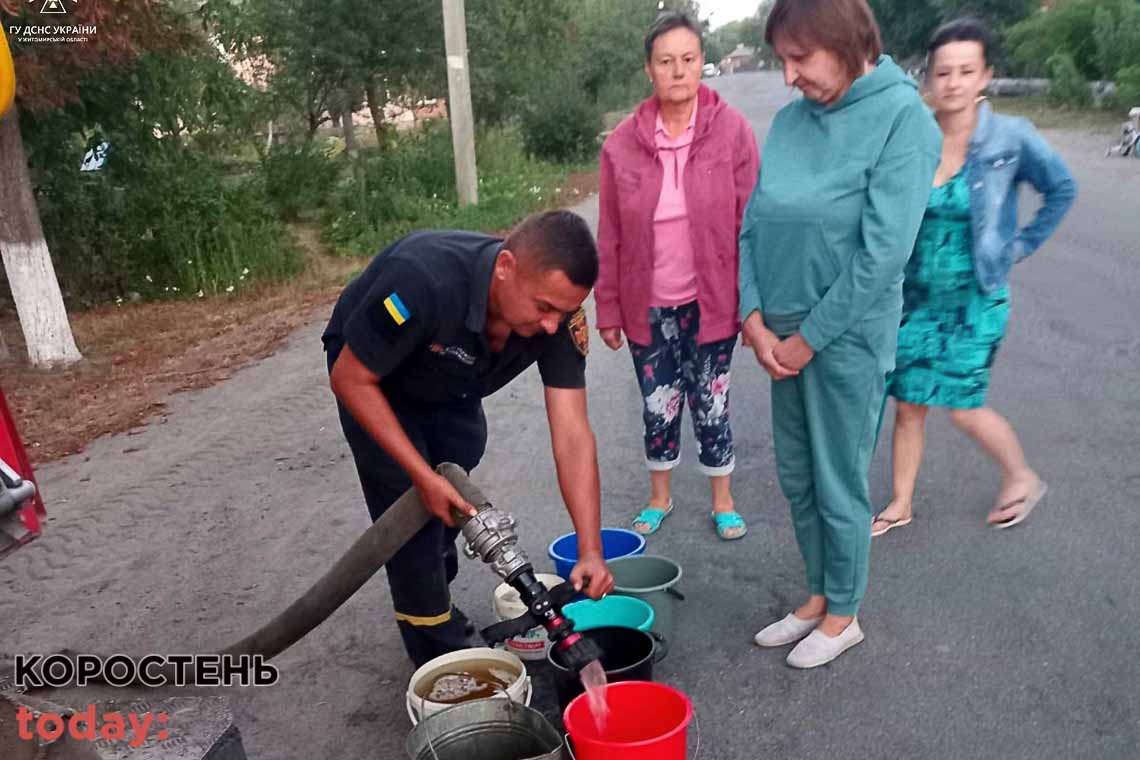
[
  {"x": 7, "y": 75},
  {"x": 396, "y": 309},
  {"x": 424, "y": 621}
]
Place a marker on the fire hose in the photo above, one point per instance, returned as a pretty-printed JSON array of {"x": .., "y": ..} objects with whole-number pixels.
[{"x": 489, "y": 535}]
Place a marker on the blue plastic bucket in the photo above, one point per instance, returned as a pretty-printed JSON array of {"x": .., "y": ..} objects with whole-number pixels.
[
  {"x": 616, "y": 542},
  {"x": 613, "y": 611}
]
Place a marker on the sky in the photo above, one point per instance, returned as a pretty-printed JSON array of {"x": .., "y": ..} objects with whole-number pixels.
[{"x": 723, "y": 11}]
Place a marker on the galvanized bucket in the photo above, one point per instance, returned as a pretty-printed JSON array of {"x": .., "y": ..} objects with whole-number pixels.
[{"x": 486, "y": 729}]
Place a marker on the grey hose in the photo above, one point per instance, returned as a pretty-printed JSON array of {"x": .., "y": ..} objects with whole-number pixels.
[{"x": 363, "y": 559}]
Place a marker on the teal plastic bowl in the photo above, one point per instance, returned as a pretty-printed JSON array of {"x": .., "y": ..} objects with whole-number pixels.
[{"x": 613, "y": 611}]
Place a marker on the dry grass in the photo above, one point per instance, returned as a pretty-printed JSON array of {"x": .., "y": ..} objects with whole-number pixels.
[{"x": 136, "y": 355}]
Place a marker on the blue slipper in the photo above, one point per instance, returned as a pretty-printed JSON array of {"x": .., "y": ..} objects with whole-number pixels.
[
  {"x": 729, "y": 521},
  {"x": 651, "y": 518}
]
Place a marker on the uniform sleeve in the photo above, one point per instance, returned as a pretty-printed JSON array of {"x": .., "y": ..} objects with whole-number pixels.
[
  {"x": 897, "y": 192},
  {"x": 396, "y": 316},
  {"x": 563, "y": 363}
]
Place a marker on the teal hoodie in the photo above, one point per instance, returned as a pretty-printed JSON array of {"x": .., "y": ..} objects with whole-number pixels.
[{"x": 835, "y": 212}]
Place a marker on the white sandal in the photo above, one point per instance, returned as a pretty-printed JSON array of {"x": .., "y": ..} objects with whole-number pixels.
[{"x": 1030, "y": 501}]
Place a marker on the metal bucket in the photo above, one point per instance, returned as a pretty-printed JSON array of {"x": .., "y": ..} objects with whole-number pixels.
[{"x": 487, "y": 729}]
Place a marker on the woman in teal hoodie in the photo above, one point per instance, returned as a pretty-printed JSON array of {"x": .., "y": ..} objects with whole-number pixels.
[{"x": 825, "y": 239}]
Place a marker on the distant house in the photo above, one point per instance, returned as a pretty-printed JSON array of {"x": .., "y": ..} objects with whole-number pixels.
[{"x": 742, "y": 58}]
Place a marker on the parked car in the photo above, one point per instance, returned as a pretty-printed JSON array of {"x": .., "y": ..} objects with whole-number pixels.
[{"x": 710, "y": 70}]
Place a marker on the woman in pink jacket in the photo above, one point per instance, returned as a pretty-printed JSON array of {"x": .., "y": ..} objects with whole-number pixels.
[{"x": 675, "y": 177}]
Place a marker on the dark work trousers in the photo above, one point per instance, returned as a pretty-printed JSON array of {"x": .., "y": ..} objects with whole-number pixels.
[{"x": 420, "y": 573}]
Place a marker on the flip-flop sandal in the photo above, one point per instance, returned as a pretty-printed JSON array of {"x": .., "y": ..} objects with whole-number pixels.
[
  {"x": 900, "y": 522},
  {"x": 651, "y": 517},
  {"x": 729, "y": 521},
  {"x": 1029, "y": 503}
]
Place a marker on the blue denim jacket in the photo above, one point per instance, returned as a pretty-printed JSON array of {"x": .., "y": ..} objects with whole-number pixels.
[{"x": 1005, "y": 151}]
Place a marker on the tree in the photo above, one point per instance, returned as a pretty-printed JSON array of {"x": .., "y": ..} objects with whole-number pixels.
[
  {"x": 1067, "y": 28},
  {"x": 322, "y": 58},
  {"x": 48, "y": 76},
  {"x": 724, "y": 39},
  {"x": 1117, "y": 38},
  {"x": 906, "y": 25},
  {"x": 27, "y": 261}
]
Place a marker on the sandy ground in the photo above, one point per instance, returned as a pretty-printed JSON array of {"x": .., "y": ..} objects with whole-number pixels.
[{"x": 1019, "y": 644}]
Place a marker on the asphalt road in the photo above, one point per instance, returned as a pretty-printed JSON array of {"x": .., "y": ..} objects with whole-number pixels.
[{"x": 980, "y": 644}]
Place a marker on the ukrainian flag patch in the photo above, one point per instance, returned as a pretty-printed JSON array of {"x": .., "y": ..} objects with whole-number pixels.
[{"x": 396, "y": 309}]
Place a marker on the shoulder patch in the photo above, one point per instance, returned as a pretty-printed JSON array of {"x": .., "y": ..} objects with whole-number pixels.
[
  {"x": 580, "y": 331},
  {"x": 396, "y": 309}
]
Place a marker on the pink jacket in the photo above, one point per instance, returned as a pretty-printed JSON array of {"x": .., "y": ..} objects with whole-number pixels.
[{"x": 721, "y": 171}]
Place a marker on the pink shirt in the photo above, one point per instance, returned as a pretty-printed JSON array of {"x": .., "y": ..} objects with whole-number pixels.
[{"x": 674, "y": 270}]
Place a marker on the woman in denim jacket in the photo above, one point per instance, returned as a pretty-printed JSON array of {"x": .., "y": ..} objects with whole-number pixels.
[{"x": 956, "y": 300}]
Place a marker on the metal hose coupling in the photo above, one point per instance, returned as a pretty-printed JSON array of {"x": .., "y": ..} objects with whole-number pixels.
[{"x": 491, "y": 537}]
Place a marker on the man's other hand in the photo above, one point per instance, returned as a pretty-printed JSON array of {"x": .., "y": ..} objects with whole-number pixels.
[{"x": 592, "y": 577}]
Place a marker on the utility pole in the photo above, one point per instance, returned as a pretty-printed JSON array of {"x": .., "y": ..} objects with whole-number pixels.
[{"x": 459, "y": 101}]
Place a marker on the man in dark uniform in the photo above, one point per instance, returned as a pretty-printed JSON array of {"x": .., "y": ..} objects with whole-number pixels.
[{"x": 437, "y": 321}]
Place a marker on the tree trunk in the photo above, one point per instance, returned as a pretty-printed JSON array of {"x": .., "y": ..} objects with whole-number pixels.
[
  {"x": 39, "y": 303},
  {"x": 376, "y": 108},
  {"x": 349, "y": 132}
]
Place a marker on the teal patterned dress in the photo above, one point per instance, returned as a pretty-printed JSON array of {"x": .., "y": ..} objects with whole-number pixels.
[{"x": 951, "y": 329}]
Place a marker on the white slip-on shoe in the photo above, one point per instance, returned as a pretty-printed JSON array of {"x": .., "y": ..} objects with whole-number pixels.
[
  {"x": 819, "y": 649},
  {"x": 785, "y": 631}
]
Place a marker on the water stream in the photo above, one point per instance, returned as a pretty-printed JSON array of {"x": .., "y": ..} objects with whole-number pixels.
[{"x": 594, "y": 680}]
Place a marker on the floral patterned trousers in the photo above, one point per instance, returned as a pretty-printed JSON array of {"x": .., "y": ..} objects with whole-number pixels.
[{"x": 673, "y": 369}]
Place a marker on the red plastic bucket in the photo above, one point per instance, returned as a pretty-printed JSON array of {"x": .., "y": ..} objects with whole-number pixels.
[{"x": 647, "y": 721}]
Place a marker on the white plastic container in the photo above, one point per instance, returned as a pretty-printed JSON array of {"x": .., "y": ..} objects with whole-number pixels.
[
  {"x": 533, "y": 644},
  {"x": 420, "y": 708}
]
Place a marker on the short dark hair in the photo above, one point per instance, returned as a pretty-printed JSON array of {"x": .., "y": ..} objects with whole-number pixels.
[
  {"x": 666, "y": 22},
  {"x": 845, "y": 27},
  {"x": 966, "y": 29},
  {"x": 557, "y": 240}
]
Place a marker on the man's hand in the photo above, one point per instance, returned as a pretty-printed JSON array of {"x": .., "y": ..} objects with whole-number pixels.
[
  {"x": 763, "y": 343},
  {"x": 611, "y": 336},
  {"x": 440, "y": 497},
  {"x": 591, "y": 576},
  {"x": 793, "y": 353}
]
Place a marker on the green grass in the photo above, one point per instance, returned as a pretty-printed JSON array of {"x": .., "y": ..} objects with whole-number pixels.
[
  {"x": 1046, "y": 114},
  {"x": 411, "y": 186}
]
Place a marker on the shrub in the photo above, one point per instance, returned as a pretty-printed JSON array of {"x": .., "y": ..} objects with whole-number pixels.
[
  {"x": 1069, "y": 86},
  {"x": 559, "y": 121},
  {"x": 1067, "y": 28},
  {"x": 298, "y": 177},
  {"x": 177, "y": 228},
  {"x": 1102, "y": 36},
  {"x": 412, "y": 186},
  {"x": 1117, "y": 39},
  {"x": 1128, "y": 87}
]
